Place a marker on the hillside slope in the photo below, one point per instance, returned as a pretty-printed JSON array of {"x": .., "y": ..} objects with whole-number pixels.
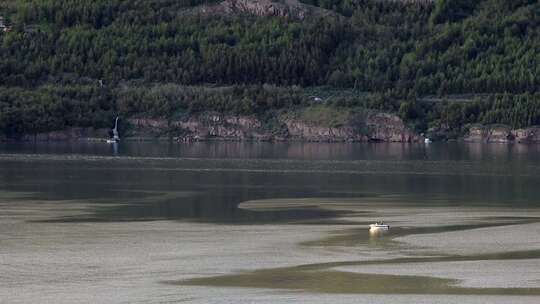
[{"x": 78, "y": 63}]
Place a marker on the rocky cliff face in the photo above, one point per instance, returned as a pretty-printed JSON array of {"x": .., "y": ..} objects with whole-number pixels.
[
  {"x": 389, "y": 128},
  {"x": 378, "y": 127},
  {"x": 527, "y": 135},
  {"x": 503, "y": 134},
  {"x": 285, "y": 8},
  {"x": 302, "y": 131},
  {"x": 282, "y": 8},
  {"x": 223, "y": 127},
  {"x": 495, "y": 134},
  {"x": 204, "y": 127}
]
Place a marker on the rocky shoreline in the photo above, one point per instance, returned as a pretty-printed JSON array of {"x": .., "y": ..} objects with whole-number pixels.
[
  {"x": 378, "y": 127},
  {"x": 503, "y": 134}
]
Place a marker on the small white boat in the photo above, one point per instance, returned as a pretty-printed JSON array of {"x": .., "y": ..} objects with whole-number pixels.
[
  {"x": 427, "y": 141},
  {"x": 379, "y": 226}
]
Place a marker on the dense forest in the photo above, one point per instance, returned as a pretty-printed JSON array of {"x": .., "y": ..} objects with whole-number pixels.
[{"x": 79, "y": 63}]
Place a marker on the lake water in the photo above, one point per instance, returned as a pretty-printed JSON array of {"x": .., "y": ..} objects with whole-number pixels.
[{"x": 269, "y": 223}]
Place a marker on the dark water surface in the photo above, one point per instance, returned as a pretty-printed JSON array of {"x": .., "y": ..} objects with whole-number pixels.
[{"x": 206, "y": 181}]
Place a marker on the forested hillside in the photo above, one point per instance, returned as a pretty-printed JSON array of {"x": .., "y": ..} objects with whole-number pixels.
[{"x": 78, "y": 63}]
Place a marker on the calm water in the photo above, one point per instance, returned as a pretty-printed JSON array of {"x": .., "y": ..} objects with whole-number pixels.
[{"x": 57, "y": 198}]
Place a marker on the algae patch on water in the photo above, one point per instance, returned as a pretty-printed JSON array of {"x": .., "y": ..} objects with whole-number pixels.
[
  {"x": 348, "y": 277},
  {"x": 322, "y": 278}
]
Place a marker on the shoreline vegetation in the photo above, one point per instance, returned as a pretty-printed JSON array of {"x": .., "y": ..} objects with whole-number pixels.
[{"x": 340, "y": 70}]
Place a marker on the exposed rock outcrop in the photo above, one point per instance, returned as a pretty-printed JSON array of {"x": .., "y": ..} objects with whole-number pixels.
[
  {"x": 389, "y": 128},
  {"x": 494, "y": 134},
  {"x": 203, "y": 127},
  {"x": 527, "y": 135},
  {"x": 300, "y": 130},
  {"x": 377, "y": 127},
  {"x": 285, "y": 8},
  {"x": 212, "y": 126},
  {"x": 224, "y": 127},
  {"x": 502, "y": 134}
]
